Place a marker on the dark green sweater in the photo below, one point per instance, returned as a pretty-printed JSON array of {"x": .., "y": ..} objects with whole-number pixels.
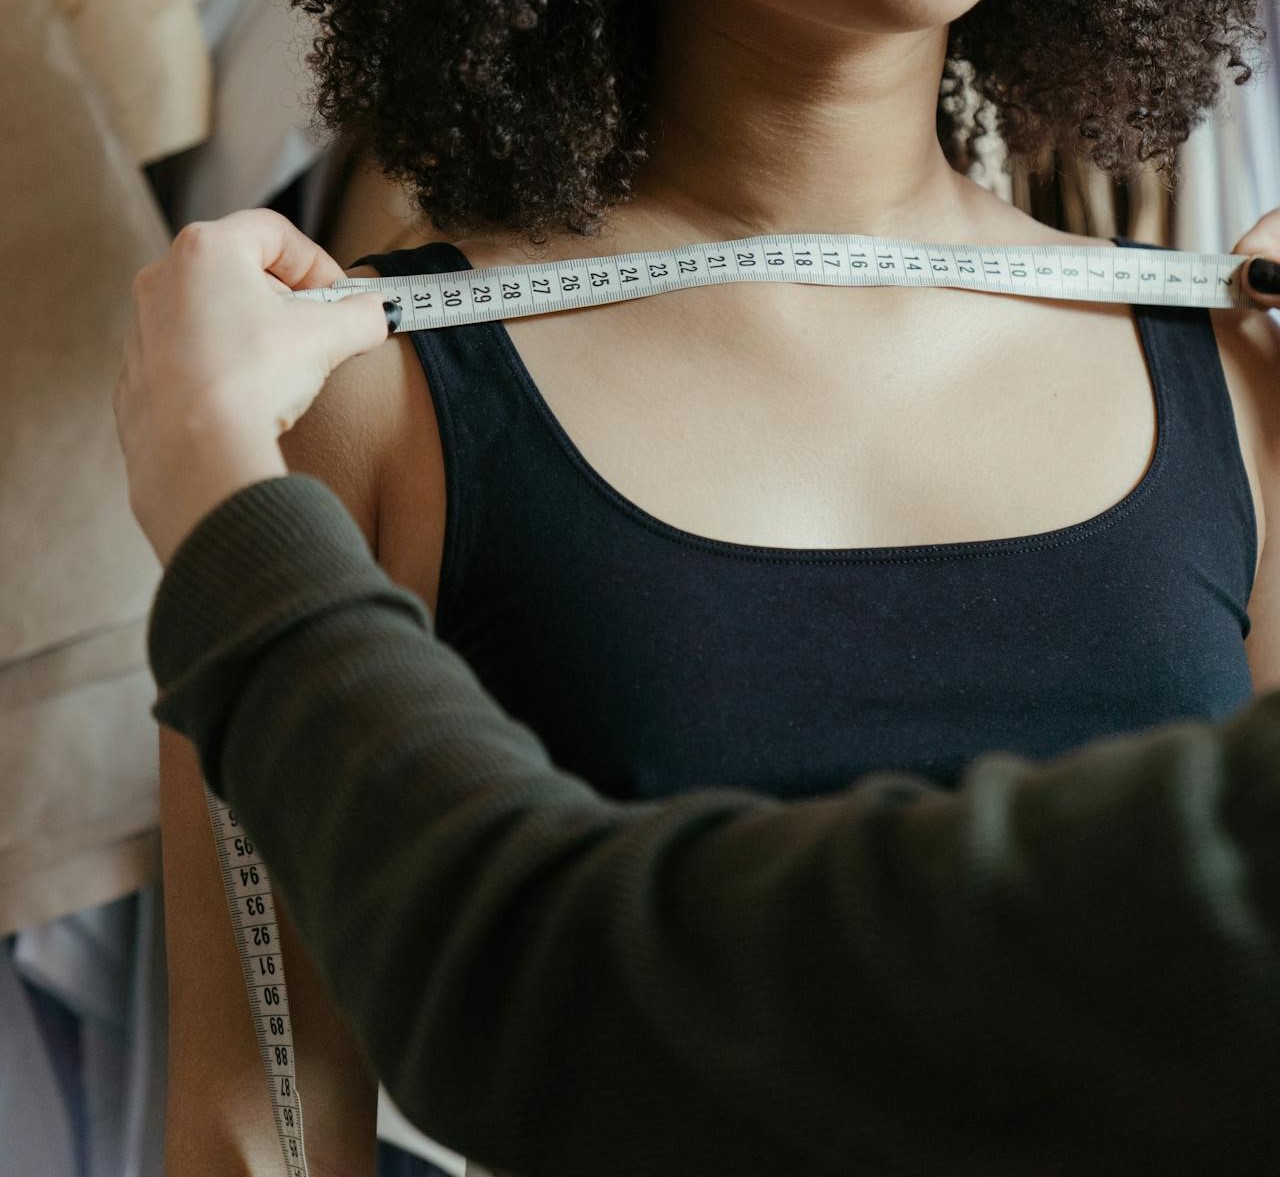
[{"x": 1062, "y": 969}]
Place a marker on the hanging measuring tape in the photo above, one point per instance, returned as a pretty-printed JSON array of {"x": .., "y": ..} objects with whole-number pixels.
[
  {"x": 257, "y": 933},
  {"x": 1158, "y": 277}
]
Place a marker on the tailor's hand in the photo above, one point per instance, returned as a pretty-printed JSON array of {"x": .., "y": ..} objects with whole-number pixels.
[
  {"x": 219, "y": 362},
  {"x": 1262, "y": 272}
]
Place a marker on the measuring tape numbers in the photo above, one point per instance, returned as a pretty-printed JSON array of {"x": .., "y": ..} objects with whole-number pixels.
[
  {"x": 257, "y": 932},
  {"x": 1162, "y": 277},
  {"x": 1093, "y": 274}
]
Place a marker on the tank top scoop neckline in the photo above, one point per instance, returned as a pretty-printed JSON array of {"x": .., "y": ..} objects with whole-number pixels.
[
  {"x": 446, "y": 257},
  {"x": 651, "y": 660}
]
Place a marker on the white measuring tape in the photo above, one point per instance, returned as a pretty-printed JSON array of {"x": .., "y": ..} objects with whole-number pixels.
[
  {"x": 1159, "y": 277},
  {"x": 1163, "y": 277},
  {"x": 257, "y": 932}
]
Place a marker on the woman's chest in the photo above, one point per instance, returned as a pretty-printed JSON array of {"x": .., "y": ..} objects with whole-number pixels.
[
  {"x": 650, "y": 667},
  {"x": 1092, "y": 574},
  {"x": 824, "y": 419}
]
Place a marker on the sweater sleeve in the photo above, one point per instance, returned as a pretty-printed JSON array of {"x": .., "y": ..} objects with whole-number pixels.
[{"x": 1069, "y": 968}]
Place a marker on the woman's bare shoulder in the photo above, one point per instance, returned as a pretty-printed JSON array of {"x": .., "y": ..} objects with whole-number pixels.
[
  {"x": 1249, "y": 344},
  {"x": 356, "y": 429},
  {"x": 1249, "y": 348}
]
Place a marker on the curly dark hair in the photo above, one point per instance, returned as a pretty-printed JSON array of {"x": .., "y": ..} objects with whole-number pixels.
[{"x": 528, "y": 115}]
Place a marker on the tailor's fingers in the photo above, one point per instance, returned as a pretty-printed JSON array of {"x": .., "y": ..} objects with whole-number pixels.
[
  {"x": 276, "y": 245},
  {"x": 1263, "y": 239},
  {"x": 1262, "y": 281}
]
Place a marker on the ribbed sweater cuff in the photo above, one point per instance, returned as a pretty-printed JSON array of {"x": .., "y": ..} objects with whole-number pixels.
[{"x": 274, "y": 553}]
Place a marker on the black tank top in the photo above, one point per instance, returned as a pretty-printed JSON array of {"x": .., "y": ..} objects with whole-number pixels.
[{"x": 651, "y": 660}]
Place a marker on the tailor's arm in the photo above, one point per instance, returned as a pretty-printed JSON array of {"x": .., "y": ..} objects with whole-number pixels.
[{"x": 1069, "y": 968}]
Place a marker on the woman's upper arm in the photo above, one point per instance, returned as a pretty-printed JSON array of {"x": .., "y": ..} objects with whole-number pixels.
[
  {"x": 342, "y": 439},
  {"x": 1249, "y": 343},
  {"x": 219, "y": 1117},
  {"x": 371, "y": 435}
]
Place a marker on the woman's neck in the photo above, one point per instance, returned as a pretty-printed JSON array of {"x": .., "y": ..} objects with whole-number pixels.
[{"x": 763, "y": 122}]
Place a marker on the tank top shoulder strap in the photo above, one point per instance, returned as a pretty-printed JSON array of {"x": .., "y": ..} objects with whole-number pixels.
[
  {"x": 491, "y": 436},
  {"x": 468, "y": 367},
  {"x": 458, "y": 361},
  {"x": 1207, "y": 485}
]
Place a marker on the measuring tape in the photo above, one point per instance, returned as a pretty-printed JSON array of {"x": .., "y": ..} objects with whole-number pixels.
[
  {"x": 1160, "y": 277},
  {"x": 253, "y": 917}
]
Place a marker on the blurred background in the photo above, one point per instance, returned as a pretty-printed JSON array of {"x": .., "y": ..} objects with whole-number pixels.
[{"x": 121, "y": 121}]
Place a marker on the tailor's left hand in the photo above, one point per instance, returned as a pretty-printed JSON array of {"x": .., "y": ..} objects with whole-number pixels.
[
  {"x": 1262, "y": 246},
  {"x": 218, "y": 363}
]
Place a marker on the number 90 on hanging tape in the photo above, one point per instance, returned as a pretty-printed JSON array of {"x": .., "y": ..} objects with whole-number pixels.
[{"x": 1161, "y": 277}]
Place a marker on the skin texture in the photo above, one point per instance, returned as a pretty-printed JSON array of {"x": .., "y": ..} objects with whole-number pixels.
[{"x": 775, "y": 118}]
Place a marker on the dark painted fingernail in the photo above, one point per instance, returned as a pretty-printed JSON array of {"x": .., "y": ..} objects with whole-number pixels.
[
  {"x": 1264, "y": 276},
  {"x": 393, "y": 312}
]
